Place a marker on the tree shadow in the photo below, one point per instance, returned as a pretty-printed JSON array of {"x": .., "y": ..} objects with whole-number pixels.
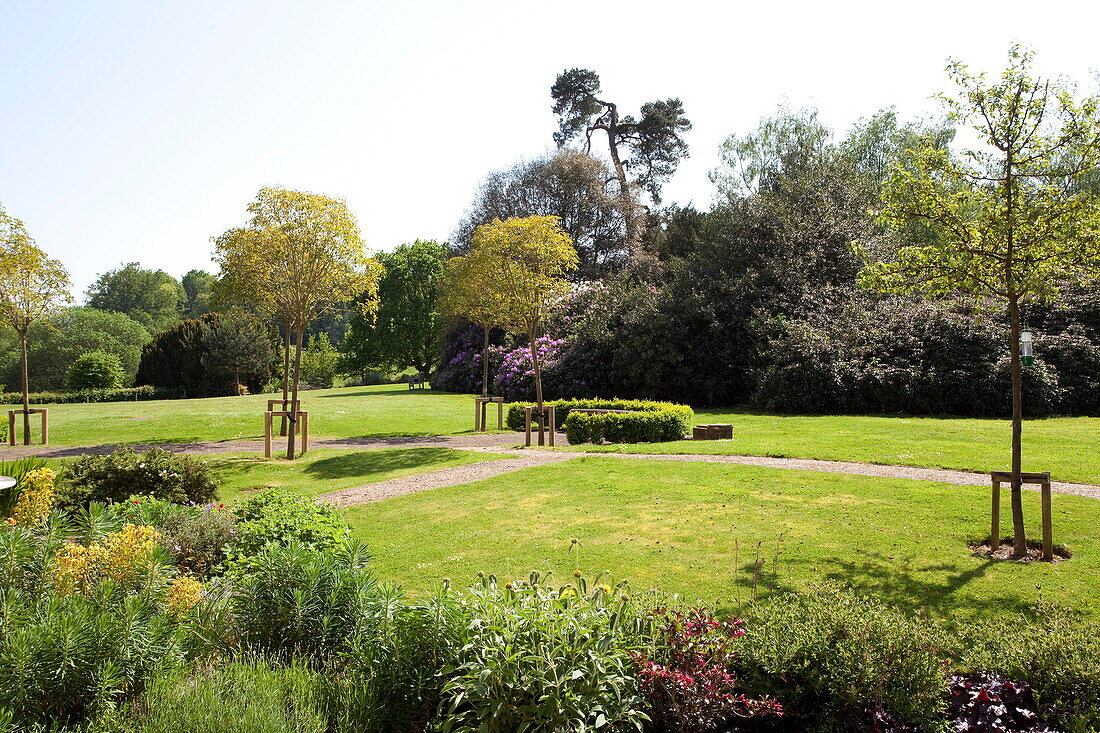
[
  {"x": 367, "y": 463},
  {"x": 376, "y": 392}
]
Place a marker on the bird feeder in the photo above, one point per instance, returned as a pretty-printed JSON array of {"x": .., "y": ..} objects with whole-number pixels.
[{"x": 1027, "y": 353}]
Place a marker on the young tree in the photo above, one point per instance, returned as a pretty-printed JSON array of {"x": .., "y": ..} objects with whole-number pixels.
[
  {"x": 470, "y": 290},
  {"x": 237, "y": 346},
  {"x": 406, "y": 329},
  {"x": 32, "y": 287},
  {"x": 1011, "y": 219},
  {"x": 654, "y": 140},
  {"x": 530, "y": 259},
  {"x": 298, "y": 256},
  {"x": 153, "y": 298}
]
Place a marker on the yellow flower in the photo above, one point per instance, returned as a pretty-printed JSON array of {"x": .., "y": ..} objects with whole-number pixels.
[
  {"x": 604, "y": 588},
  {"x": 183, "y": 594},
  {"x": 121, "y": 557},
  {"x": 36, "y": 498},
  {"x": 568, "y": 592}
]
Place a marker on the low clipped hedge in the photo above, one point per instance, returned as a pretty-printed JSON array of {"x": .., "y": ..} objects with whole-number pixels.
[
  {"x": 651, "y": 422},
  {"x": 121, "y": 394}
]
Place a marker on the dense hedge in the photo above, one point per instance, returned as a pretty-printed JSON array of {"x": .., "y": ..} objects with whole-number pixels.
[
  {"x": 121, "y": 394},
  {"x": 653, "y": 422}
]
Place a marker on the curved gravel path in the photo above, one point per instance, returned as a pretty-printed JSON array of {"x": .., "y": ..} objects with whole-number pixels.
[{"x": 503, "y": 443}]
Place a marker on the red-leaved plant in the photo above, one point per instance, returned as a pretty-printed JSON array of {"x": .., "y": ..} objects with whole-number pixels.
[{"x": 687, "y": 681}]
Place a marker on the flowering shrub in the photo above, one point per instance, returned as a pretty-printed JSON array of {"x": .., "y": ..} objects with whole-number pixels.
[
  {"x": 691, "y": 687},
  {"x": 516, "y": 376},
  {"x": 183, "y": 593},
  {"x": 121, "y": 557},
  {"x": 459, "y": 367},
  {"x": 196, "y": 537},
  {"x": 159, "y": 473},
  {"x": 36, "y": 497}
]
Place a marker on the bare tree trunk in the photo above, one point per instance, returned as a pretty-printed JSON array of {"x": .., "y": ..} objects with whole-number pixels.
[
  {"x": 485, "y": 363},
  {"x": 26, "y": 389},
  {"x": 626, "y": 199},
  {"x": 237, "y": 381},
  {"x": 1019, "y": 538},
  {"x": 286, "y": 374},
  {"x": 538, "y": 383},
  {"x": 294, "y": 398}
]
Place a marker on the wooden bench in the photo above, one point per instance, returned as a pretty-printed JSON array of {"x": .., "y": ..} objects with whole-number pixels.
[
  {"x": 716, "y": 431},
  {"x": 418, "y": 381}
]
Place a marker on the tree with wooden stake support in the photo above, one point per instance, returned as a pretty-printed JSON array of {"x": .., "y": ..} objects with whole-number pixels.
[
  {"x": 530, "y": 257},
  {"x": 32, "y": 287},
  {"x": 1011, "y": 218},
  {"x": 299, "y": 255}
]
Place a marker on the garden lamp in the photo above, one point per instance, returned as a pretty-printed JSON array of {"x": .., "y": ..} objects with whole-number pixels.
[{"x": 1027, "y": 354}]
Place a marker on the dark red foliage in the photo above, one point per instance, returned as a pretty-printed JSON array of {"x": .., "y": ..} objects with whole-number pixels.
[
  {"x": 989, "y": 703},
  {"x": 691, "y": 688}
]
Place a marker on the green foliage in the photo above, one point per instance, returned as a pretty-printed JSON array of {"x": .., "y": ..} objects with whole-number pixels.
[
  {"x": 274, "y": 518},
  {"x": 657, "y": 421},
  {"x": 830, "y": 656},
  {"x": 53, "y": 348},
  {"x": 405, "y": 330},
  {"x": 545, "y": 657},
  {"x": 197, "y": 537},
  {"x": 241, "y": 696},
  {"x": 122, "y": 394},
  {"x": 16, "y": 469},
  {"x": 173, "y": 359},
  {"x": 237, "y": 349},
  {"x": 158, "y": 473},
  {"x": 320, "y": 362},
  {"x": 198, "y": 286},
  {"x": 299, "y": 601},
  {"x": 95, "y": 370},
  {"x": 153, "y": 298}
]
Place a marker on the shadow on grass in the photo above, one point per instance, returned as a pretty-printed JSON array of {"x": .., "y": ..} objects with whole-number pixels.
[
  {"x": 381, "y": 392},
  {"x": 367, "y": 463},
  {"x": 893, "y": 580}
]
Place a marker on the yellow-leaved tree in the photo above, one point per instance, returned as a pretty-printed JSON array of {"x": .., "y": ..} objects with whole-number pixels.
[
  {"x": 519, "y": 267},
  {"x": 470, "y": 291},
  {"x": 32, "y": 287},
  {"x": 298, "y": 256}
]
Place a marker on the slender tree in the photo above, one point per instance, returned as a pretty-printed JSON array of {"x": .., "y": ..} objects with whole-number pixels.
[
  {"x": 1012, "y": 221},
  {"x": 470, "y": 290},
  {"x": 654, "y": 141},
  {"x": 299, "y": 256},
  {"x": 33, "y": 287},
  {"x": 530, "y": 258}
]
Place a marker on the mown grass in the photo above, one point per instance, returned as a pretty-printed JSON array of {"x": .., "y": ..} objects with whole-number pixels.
[
  {"x": 1067, "y": 447},
  {"x": 377, "y": 411},
  {"x": 322, "y": 471},
  {"x": 699, "y": 530}
]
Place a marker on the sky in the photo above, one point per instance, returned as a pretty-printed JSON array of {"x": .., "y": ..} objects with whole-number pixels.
[{"x": 136, "y": 131}]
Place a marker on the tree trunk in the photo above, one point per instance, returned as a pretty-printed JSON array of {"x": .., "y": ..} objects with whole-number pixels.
[
  {"x": 485, "y": 364},
  {"x": 626, "y": 199},
  {"x": 237, "y": 381},
  {"x": 294, "y": 398},
  {"x": 26, "y": 389},
  {"x": 538, "y": 383},
  {"x": 286, "y": 373},
  {"x": 1019, "y": 538}
]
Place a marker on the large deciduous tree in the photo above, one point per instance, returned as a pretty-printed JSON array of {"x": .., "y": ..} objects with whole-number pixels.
[
  {"x": 1011, "y": 218},
  {"x": 568, "y": 184},
  {"x": 198, "y": 285},
  {"x": 299, "y": 256},
  {"x": 529, "y": 259},
  {"x": 33, "y": 287},
  {"x": 153, "y": 298},
  {"x": 405, "y": 330},
  {"x": 644, "y": 152}
]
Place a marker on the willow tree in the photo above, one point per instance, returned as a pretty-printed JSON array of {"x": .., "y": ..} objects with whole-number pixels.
[
  {"x": 32, "y": 288},
  {"x": 299, "y": 256},
  {"x": 1012, "y": 221},
  {"x": 529, "y": 259}
]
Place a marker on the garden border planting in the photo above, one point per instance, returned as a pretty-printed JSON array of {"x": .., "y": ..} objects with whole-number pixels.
[{"x": 633, "y": 421}]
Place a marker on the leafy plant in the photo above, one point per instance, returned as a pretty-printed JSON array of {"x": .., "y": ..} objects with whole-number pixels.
[
  {"x": 157, "y": 473},
  {"x": 989, "y": 703},
  {"x": 272, "y": 517},
  {"x": 17, "y": 470},
  {"x": 539, "y": 657},
  {"x": 95, "y": 370}
]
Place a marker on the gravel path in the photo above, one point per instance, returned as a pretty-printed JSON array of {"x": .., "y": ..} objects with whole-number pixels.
[{"x": 503, "y": 443}]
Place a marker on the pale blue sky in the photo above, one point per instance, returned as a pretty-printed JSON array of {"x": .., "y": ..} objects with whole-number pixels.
[{"x": 135, "y": 131}]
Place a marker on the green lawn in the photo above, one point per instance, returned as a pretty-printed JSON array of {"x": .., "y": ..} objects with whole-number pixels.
[
  {"x": 379, "y": 411},
  {"x": 694, "y": 529},
  {"x": 321, "y": 471},
  {"x": 1067, "y": 447}
]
